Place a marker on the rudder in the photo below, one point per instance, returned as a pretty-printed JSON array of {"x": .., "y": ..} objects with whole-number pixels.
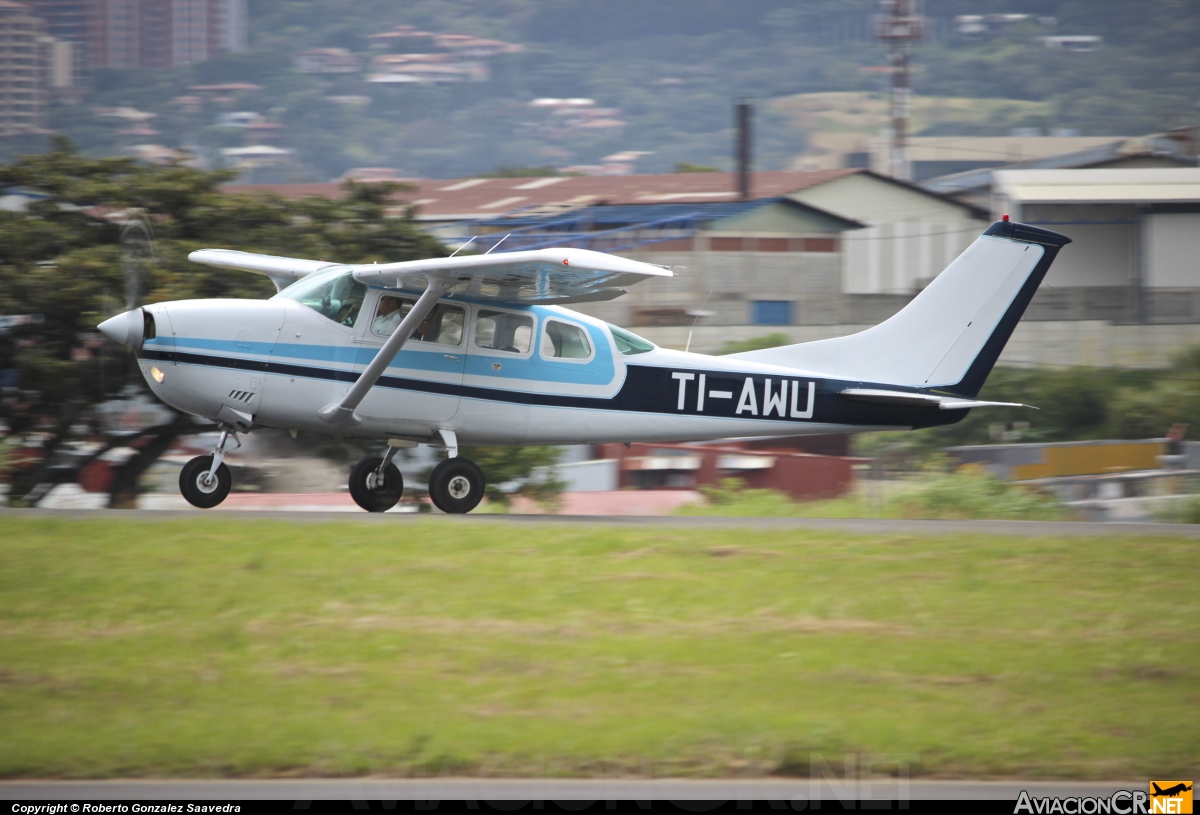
[{"x": 951, "y": 334}]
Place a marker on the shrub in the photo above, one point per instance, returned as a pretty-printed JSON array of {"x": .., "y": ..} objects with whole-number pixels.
[
  {"x": 967, "y": 494},
  {"x": 960, "y": 495}
]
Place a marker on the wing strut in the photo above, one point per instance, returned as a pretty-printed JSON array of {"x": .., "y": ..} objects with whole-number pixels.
[{"x": 342, "y": 413}]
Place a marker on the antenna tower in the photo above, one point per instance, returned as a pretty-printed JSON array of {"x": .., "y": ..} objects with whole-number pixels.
[{"x": 899, "y": 26}]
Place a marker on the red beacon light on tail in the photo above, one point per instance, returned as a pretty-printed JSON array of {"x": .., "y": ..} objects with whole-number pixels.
[{"x": 1004, "y": 217}]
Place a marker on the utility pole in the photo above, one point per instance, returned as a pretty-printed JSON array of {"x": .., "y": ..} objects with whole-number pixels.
[{"x": 899, "y": 26}]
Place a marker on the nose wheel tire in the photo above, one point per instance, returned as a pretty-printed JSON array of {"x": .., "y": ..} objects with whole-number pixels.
[
  {"x": 198, "y": 489},
  {"x": 371, "y": 492},
  {"x": 456, "y": 486}
]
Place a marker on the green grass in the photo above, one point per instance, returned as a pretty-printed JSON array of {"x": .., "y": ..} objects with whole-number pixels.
[
  {"x": 959, "y": 495},
  {"x": 232, "y": 647}
]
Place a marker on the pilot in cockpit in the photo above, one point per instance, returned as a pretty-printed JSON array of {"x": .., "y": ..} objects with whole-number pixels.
[
  {"x": 388, "y": 316},
  {"x": 392, "y": 310}
]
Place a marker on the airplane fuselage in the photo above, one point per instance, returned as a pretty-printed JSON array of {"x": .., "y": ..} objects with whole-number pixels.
[{"x": 280, "y": 362}]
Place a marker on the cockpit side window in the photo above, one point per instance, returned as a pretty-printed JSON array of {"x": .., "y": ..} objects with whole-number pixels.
[
  {"x": 628, "y": 343},
  {"x": 335, "y": 295}
]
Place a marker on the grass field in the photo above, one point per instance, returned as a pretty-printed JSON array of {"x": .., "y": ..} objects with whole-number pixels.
[
  {"x": 233, "y": 647},
  {"x": 941, "y": 496}
]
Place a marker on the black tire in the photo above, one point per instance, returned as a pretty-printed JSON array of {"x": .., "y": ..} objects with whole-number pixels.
[
  {"x": 380, "y": 497},
  {"x": 193, "y": 488},
  {"x": 456, "y": 486}
]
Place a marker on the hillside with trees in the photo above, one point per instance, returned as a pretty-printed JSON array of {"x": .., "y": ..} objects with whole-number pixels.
[{"x": 670, "y": 70}]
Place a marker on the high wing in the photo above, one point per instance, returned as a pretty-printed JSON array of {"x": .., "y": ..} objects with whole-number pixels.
[
  {"x": 541, "y": 276},
  {"x": 282, "y": 271}
]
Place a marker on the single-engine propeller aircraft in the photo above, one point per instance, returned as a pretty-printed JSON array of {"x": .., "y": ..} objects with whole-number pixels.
[{"x": 481, "y": 350}]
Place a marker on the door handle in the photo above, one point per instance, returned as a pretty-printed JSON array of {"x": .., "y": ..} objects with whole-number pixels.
[{"x": 453, "y": 357}]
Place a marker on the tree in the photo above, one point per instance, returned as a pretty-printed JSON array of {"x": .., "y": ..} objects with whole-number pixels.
[{"x": 111, "y": 230}]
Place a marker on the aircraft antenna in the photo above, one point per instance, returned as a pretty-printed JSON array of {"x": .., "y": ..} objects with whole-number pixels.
[
  {"x": 464, "y": 246},
  {"x": 699, "y": 314},
  {"x": 497, "y": 243}
]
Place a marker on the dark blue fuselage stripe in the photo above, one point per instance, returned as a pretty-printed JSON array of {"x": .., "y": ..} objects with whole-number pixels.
[
  {"x": 396, "y": 382},
  {"x": 646, "y": 389}
]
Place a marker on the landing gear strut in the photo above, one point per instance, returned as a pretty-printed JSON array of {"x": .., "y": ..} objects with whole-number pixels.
[
  {"x": 205, "y": 480},
  {"x": 376, "y": 484}
]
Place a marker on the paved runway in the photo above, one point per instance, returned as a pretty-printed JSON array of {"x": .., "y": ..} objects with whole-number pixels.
[
  {"x": 482, "y": 789},
  {"x": 863, "y": 526}
]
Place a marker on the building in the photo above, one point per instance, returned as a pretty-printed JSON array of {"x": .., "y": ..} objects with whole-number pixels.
[
  {"x": 62, "y": 64},
  {"x": 160, "y": 33},
  {"x": 1136, "y": 234},
  {"x": 934, "y": 156},
  {"x": 22, "y": 70},
  {"x": 817, "y": 254},
  {"x": 1173, "y": 148},
  {"x": 65, "y": 20},
  {"x": 62, "y": 44},
  {"x": 1073, "y": 42},
  {"x": 425, "y": 68},
  {"x": 415, "y": 56},
  {"x": 326, "y": 61},
  {"x": 1102, "y": 480},
  {"x": 775, "y": 464},
  {"x": 785, "y": 260}
]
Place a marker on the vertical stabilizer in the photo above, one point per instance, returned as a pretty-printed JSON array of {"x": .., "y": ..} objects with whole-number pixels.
[{"x": 952, "y": 333}]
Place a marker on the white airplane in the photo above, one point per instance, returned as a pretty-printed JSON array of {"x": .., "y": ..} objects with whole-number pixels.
[{"x": 480, "y": 350}]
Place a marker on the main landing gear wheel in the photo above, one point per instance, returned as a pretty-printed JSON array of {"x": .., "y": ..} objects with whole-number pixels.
[
  {"x": 375, "y": 492},
  {"x": 456, "y": 486},
  {"x": 198, "y": 488}
]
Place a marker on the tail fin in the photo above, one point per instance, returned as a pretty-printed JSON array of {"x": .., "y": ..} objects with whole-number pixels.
[{"x": 952, "y": 333}]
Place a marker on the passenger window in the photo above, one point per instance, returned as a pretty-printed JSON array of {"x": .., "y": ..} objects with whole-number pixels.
[
  {"x": 443, "y": 326},
  {"x": 503, "y": 331},
  {"x": 565, "y": 341}
]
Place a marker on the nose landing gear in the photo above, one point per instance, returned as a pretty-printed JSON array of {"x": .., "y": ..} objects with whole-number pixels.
[
  {"x": 205, "y": 480},
  {"x": 376, "y": 484}
]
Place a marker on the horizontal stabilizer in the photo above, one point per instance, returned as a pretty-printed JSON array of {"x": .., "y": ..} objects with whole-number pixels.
[{"x": 886, "y": 397}]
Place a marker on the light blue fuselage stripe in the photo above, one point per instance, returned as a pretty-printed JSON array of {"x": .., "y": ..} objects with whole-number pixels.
[{"x": 600, "y": 371}]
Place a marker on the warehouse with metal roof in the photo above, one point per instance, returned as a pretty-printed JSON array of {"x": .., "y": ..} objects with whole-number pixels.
[{"x": 1136, "y": 232}]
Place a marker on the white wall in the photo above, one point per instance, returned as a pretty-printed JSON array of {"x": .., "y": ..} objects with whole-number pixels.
[
  {"x": 911, "y": 236},
  {"x": 1100, "y": 255},
  {"x": 901, "y": 257},
  {"x": 1172, "y": 247}
]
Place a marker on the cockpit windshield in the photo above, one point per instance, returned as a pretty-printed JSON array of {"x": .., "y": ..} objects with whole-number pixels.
[
  {"x": 334, "y": 294},
  {"x": 629, "y": 344}
]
